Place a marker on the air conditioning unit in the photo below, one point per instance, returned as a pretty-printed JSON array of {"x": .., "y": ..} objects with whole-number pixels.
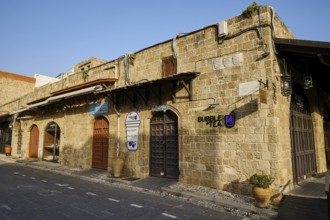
[{"x": 222, "y": 28}]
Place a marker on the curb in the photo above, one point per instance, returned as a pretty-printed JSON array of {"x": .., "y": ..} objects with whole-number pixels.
[{"x": 226, "y": 204}]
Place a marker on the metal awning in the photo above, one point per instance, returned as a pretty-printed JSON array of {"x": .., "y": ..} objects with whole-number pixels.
[
  {"x": 302, "y": 54},
  {"x": 53, "y": 99},
  {"x": 184, "y": 79}
]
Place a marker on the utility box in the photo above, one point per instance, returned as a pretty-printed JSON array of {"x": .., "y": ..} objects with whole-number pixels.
[{"x": 222, "y": 28}]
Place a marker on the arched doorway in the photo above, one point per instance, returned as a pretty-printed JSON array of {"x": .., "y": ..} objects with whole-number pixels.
[
  {"x": 52, "y": 139},
  {"x": 100, "y": 143},
  {"x": 34, "y": 141},
  {"x": 302, "y": 137},
  {"x": 326, "y": 127},
  {"x": 164, "y": 150}
]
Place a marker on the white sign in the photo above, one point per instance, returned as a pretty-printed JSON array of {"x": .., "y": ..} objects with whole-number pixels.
[
  {"x": 132, "y": 130},
  {"x": 248, "y": 88}
]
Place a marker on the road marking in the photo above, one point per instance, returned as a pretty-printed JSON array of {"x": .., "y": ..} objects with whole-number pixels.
[
  {"x": 45, "y": 181},
  {"x": 114, "y": 200},
  {"x": 5, "y": 206},
  {"x": 61, "y": 185},
  {"x": 90, "y": 193},
  {"x": 136, "y": 205},
  {"x": 33, "y": 178},
  {"x": 16, "y": 173},
  {"x": 69, "y": 187},
  {"x": 168, "y": 215},
  {"x": 23, "y": 175}
]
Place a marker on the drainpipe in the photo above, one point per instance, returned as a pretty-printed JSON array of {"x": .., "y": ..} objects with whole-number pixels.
[{"x": 118, "y": 133}]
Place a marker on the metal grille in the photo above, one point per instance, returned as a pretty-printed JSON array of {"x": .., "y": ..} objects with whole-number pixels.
[
  {"x": 34, "y": 142},
  {"x": 100, "y": 143},
  {"x": 302, "y": 141},
  {"x": 164, "y": 152}
]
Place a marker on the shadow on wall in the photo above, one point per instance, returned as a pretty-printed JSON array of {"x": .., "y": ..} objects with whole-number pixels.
[{"x": 246, "y": 109}]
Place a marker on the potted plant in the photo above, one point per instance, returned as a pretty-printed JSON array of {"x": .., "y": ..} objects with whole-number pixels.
[{"x": 261, "y": 190}]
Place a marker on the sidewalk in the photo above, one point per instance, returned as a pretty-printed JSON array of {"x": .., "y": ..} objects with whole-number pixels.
[{"x": 210, "y": 198}]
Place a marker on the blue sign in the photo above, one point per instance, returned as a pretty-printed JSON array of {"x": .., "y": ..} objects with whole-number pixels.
[
  {"x": 230, "y": 121},
  {"x": 98, "y": 108}
]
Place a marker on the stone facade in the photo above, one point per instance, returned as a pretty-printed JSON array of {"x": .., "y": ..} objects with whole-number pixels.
[
  {"x": 14, "y": 86},
  {"x": 231, "y": 71}
]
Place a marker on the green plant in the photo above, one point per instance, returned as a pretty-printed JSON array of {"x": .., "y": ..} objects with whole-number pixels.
[
  {"x": 85, "y": 74},
  {"x": 247, "y": 13},
  {"x": 261, "y": 180},
  {"x": 131, "y": 58}
]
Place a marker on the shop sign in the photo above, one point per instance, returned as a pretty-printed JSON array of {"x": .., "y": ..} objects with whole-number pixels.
[
  {"x": 214, "y": 121},
  {"x": 98, "y": 108},
  {"x": 132, "y": 130}
]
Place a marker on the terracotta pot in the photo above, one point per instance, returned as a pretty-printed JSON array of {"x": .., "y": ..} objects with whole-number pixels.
[
  {"x": 8, "y": 150},
  {"x": 118, "y": 164},
  {"x": 262, "y": 196}
]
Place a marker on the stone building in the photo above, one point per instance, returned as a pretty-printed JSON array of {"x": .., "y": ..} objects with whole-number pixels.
[
  {"x": 12, "y": 87},
  {"x": 210, "y": 107}
]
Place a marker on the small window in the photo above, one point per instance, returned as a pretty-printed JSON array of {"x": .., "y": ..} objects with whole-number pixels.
[{"x": 169, "y": 66}]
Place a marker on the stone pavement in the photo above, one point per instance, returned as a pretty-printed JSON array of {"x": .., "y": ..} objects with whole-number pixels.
[{"x": 293, "y": 206}]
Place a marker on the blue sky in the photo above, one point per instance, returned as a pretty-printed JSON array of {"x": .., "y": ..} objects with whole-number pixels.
[{"x": 50, "y": 36}]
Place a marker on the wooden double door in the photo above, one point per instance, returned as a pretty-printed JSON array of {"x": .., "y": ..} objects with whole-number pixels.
[
  {"x": 164, "y": 152},
  {"x": 100, "y": 143},
  {"x": 302, "y": 137}
]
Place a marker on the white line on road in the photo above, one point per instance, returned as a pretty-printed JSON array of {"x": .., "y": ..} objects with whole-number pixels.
[
  {"x": 45, "y": 181},
  {"x": 5, "y": 206},
  {"x": 59, "y": 184},
  {"x": 168, "y": 215},
  {"x": 114, "y": 200},
  {"x": 69, "y": 187},
  {"x": 136, "y": 205},
  {"x": 90, "y": 193},
  {"x": 16, "y": 173},
  {"x": 33, "y": 178},
  {"x": 23, "y": 175}
]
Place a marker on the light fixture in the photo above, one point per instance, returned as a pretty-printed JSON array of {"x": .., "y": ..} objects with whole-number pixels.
[
  {"x": 214, "y": 104},
  {"x": 308, "y": 80},
  {"x": 286, "y": 83}
]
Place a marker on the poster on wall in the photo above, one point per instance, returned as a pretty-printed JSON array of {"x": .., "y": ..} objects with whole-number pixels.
[{"x": 132, "y": 130}]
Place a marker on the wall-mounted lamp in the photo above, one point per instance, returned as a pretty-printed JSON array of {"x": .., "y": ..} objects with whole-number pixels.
[
  {"x": 214, "y": 104},
  {"x": 286, "y": 83},
  {"x": 308, "y": 80}
]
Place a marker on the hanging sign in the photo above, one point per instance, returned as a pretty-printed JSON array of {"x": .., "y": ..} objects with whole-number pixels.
[
  {"x": 98, "y": 108},
  {"x": 132, "y": 130}
]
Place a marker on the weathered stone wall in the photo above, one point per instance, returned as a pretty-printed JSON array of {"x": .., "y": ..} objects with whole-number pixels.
[
  {"x": 209, "y": 153},
  {"x": 14, "y": 86}
]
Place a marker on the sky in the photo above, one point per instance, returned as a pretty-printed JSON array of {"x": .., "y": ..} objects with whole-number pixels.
[{"x": 49, "y": 36}]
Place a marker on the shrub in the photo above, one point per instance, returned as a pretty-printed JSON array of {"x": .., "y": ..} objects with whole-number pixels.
[{"x": 261, "y": 180}]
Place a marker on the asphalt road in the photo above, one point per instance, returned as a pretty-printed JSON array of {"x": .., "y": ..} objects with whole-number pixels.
[{"x": 27, "y": 193}]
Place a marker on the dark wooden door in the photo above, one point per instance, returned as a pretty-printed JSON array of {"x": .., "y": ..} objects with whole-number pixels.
[
  {"x": 302, "y": 138},
  {"x": 326, "y": 127},
  {"x": 164, "y": 153},
  {"x": 100, "y": 143},
  {"x": 34, "y": 142}
]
